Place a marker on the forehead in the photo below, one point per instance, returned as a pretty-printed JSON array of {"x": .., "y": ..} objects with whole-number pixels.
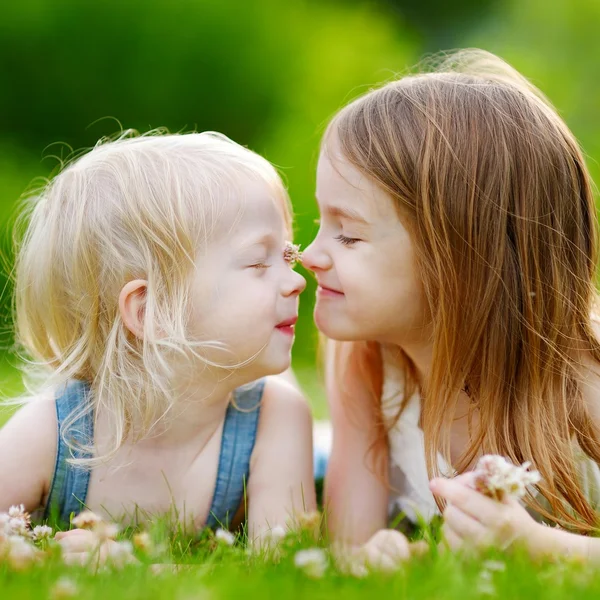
[
  {"x": 341, "y": 184},
  {"x": 253, "y": 205}
]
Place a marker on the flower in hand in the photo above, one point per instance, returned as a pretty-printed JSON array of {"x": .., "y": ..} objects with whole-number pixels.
[
  {"x": 496, "y": 478},
  {"x": 483, "y": 507}
]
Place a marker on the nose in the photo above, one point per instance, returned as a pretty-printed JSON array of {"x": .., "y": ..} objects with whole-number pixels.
[
  {"x": 314, "y": 258},
  {"x": 294, "y": 284}
]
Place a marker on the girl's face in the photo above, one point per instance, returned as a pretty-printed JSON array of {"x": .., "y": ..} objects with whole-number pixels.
[
  {"x": 245, "y": 294},
  {"x": 363, "y": 259}
]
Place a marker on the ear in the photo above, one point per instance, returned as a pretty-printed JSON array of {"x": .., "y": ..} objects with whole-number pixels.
[{"x": 132, "y": 306}]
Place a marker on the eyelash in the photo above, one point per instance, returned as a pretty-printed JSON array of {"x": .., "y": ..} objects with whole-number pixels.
[
  {"x": 346, "y": 240},
  {"x": 260, "y": 266}
]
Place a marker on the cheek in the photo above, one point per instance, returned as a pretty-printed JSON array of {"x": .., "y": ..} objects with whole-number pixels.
[
  {"x": 246, "y": 310},
  {"x": 385, "y": 291}
]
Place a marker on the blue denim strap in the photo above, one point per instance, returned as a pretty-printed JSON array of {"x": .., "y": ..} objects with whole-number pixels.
[
  {"x": 69, "y": 487},
  {"x": 237, "y": 444}
]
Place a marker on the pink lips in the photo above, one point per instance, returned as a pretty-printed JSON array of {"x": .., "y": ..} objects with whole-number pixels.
[
  {"x": 287, "y": 326},
  {"x": 328, "y": 292}
]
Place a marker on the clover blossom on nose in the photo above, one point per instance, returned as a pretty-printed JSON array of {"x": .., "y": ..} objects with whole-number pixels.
[
  {"x": 291, "y": 253},
  {"x": 496, "y": 478}
]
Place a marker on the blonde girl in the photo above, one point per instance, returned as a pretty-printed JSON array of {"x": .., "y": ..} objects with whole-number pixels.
[
  {"x": 154, "y": 299},
  {"x": 455, "y": 260}
]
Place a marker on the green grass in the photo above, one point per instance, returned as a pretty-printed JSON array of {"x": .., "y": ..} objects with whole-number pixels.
[{"x": 213, "y": 573}]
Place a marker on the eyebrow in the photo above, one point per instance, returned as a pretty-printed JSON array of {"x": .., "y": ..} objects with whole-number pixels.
[
  {"x": 346, "y": 213},
  {"x": 262, "y": 240}
]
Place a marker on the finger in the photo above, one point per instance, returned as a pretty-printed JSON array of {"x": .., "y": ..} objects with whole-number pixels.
[
  {"x": 78, "y": 543},
  {"x": 392, "y": 543},
  {"x": 71, "y": 533},
  {"x": 467, "y": 479},
  {"x": 464, "y": 525},
  {"x": 379, "y": 560},
  {"x": 452, "y": 541},
  {"x": 76, "y": 558},
  {"x": 471, "y": 502}
]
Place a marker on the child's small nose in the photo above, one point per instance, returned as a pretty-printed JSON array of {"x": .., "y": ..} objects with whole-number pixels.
[{"x": 314, "y": 259}]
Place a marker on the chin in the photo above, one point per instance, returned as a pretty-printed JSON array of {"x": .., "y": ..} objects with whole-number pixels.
[
  {"x": 281, "y": 366},
  {"x": 337, "y": 331},
  {"x": 274, "y": 365}
]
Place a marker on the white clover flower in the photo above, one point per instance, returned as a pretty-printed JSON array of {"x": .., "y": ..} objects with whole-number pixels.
[
  {"x": 224, "y": 537},
  {"x": 105, "y": 531},
  {"x": 291, "y": 253},
  {"x": 64, "y": 588},
  {"x": 86, "y": 520},
  {"x": 309, "y": 522},
  {"x": 19, "y": 512},
  {"x": 19, "y": 553},
  {"x": 485, "y": 584},
  {"x": 120, "y": 553},
  {"x": 496, "y": 477},
  {"x": 493, "y": 565},
  {"x": 4, "y": 521},
  {"x": 353, "y": 565},
  {"x": 143, "y": 542},
  {"x": 313, "y": 562},
  {"x": 276, "y": 534},
  {"x": 41, "y": 532},
  {"x": 17, "y": 521},
  {"x": 18, "y": 526}
]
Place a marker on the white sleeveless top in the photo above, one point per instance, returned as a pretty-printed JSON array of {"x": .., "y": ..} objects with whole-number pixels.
[{"x": 408, "y": 470}]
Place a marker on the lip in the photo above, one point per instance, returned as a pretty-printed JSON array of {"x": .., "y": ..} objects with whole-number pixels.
[
  {"x": 287, "y": 323},
  {"x": 323, "y": 290},
  {"x": 287, "y": 327}
]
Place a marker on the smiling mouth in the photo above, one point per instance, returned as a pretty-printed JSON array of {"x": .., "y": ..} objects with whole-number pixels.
[{"x": 325, "y": 291}]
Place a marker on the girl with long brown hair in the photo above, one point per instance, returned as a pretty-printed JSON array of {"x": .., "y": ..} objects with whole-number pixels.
[{"x": 456, "y": 259}]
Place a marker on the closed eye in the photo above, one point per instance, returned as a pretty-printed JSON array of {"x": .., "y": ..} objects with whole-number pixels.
[{"x": 347, "y": 241}]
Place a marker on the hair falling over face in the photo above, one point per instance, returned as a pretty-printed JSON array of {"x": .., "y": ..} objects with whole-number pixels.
[{"x": 495, "y": 192}]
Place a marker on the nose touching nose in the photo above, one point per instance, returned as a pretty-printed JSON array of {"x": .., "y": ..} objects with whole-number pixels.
[{"x": 313, "y": 259}]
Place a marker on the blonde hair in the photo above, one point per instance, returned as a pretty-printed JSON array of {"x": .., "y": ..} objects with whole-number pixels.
[
  {"x": 136, "y": 207},
  {"x": 494, "y": 190}
]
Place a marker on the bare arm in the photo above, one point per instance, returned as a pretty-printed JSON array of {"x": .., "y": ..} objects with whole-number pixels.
[
  {"x": 355, "y": 498},
  {"x": 551, "y": 542},
  {"x": 281, "y": 469},
  {"x": 27, "y": 455}
]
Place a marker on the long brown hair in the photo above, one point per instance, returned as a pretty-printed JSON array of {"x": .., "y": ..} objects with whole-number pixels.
[{"x": 494, "y": 190}]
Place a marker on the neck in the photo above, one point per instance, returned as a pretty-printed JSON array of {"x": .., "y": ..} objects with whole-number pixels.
[
  {"x": 421, "y": 356},
  {"x": 198, "y": 410}
]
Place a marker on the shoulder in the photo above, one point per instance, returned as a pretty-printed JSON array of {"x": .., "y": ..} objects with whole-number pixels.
[
  {"x": 284, "y": 435},
  {"x": 29, "y": 438},
  {"x": 285, "y": 418},
  {"x": 33, "y": 412},
  {"x": 283, "y": 401}
]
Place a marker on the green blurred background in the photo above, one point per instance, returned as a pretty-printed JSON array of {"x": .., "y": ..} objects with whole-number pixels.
[{"x": 268, "y": 73}]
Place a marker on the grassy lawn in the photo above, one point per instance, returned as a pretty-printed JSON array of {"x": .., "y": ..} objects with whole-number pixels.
[{"x": 229, "y": 572}]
